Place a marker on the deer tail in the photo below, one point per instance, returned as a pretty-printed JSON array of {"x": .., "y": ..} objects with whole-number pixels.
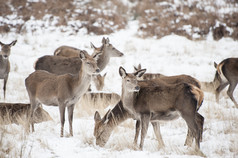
[
  {"x": 198, "y": 94},
  {"x": 57, "y": 51},
  {"x": 35, "y": 64},
  {"x": 219, "y": 68}
]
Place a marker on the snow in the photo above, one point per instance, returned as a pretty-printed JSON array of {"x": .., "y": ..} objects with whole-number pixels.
[{"x": 170, "y": 55}]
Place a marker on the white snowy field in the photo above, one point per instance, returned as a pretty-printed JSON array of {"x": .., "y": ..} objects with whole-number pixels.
[{"x": 171, "y": 55}]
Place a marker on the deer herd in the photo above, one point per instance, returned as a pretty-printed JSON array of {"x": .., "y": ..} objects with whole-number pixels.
[{"x": 65, "y": 77}]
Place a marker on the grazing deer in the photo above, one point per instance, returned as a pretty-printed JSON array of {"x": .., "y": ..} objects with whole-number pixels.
[
  {"x": 147, "y": 99},
  {"x": 17, "y": 112},
  {"x": 4, "y": 63},
  {"x": 104, "y": 126},
  {"x": 91, "y": 101},
  {"x": 107, "y": 49},
  {"x": 226, "y": 74},
  {"x": 61, "y": 90}
]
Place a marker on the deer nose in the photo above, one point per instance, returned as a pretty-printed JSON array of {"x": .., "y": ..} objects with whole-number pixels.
[
  {"x": 97, "y": 70},
  {"x": 137, "y": 88},
  {"x": 5, "y": 56}
]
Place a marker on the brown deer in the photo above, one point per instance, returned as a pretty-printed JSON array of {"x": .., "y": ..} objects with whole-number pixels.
[
  {"x": 61, "y": 90},
  {"x": 172, "y": 80},
  {"x": 226, "y": 74},
  {"x": 4, "y": 63},
  {"x": 61, "y": 64},
  {"x": 92, "y": 101},
  {"x": 107, "y": 49},
  {"x": 104, "y": 126},
  {"x": 155, "y": 100},
  {"x": 67, "y": 51},
  {"x": 99, "y": 81},
  {"x": 17, "y": 112}
]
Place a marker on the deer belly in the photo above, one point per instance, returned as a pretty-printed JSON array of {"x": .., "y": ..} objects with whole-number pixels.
[{"x": 72, "y": 100}]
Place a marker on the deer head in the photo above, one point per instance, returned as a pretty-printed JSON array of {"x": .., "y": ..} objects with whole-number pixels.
[
  {"x": 129, "y": 80},
  {"x": 6, "y": 49},
  {"x": 102, "y": 128},
  {"x": 90, "y": 62}
]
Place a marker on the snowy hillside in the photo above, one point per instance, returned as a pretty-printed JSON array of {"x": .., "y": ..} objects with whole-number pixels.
[{"x": 170, "y": 55}]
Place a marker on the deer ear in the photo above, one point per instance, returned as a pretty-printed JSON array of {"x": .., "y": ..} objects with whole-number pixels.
[
  {"x": 103, "y": 40},
  {"x": 105, "y": 75},
  {"x": 13, "y": 43},
  {"x": 82, "y": 55},
  {"x": 215, "y": 64},
  {"x": 96, "y": 56},
  {"x": 92, "y": 46},
  {"x": 97, "y": 117},
  {"x": 140, "y": 73},
  {"x": 1, "y": 44},
  {"x": 106, "y": 117},
  {"x": 107, "y": 41},
  {"x": 122, "y": 72},
  {"x": 135, "y": 68}
]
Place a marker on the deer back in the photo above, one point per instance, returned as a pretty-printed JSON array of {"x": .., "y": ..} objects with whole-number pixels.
[
  {"x": 59, "y": 65},
  {"x": 18, "y": 112},
  {"x": 67, "y": 51},
  {"x": 229, "y": 69}
]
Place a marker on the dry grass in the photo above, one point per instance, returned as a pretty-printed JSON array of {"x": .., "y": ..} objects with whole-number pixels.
[
  {"x": 89, "y": 104},
  {"x": 157, "y": 18},
  {"x": 161, "y": 18},
  {"x": 10, "y": 147}
]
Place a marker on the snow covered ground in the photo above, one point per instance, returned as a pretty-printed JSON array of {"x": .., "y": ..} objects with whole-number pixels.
[{"x": 171, "y": 55}]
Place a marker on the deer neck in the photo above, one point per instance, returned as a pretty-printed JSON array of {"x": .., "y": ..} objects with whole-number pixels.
[
  {"x": 3, "y": 60},
  {"x": 128, "y": 100},
  {"x": 104, "y": 59},
  {"x": 82, "y": 80},
  {"x": 117, "y": 115}
]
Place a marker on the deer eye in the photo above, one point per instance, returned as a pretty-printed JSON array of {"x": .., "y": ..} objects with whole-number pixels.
[
  {"x": 88, "y": 63},
  {"x": 128, "y": 80}
]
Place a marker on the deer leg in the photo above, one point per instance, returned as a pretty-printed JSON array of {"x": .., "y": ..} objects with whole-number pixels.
[
  {"x": 230, "y": 91},
  {"x": 62, "y": 118},
  {"x": 189, "y": 138},
  {"x": 219, "y": 89},
  {"x": 138, "y": 127},
  {"x": 156, "y": 127},
  {"x": 193, "y": 127},
  {"x": 145, "y": 119},
  {"x": 32, "y": 111},
  {"x": 200, "y": 122},
  {"x": 70, "y": 117},
  {"x": 4, "y": 86}
]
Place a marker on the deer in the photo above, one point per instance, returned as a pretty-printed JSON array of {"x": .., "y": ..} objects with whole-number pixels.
[
  {"x": 60, "y": 64},
  {"x": 61, "y": 90},
  {"x": 16, "y": 113},
  {"x": 226, "y": 74},
  {"x": 152, "y": 101},
  {"x": 99, "y": 81},
  {"x": 5, "y": 63},
  {"x": 107, "y": 49},
  {"x": 147, "y": 76},
  {"x": 170, "y": 80}
]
